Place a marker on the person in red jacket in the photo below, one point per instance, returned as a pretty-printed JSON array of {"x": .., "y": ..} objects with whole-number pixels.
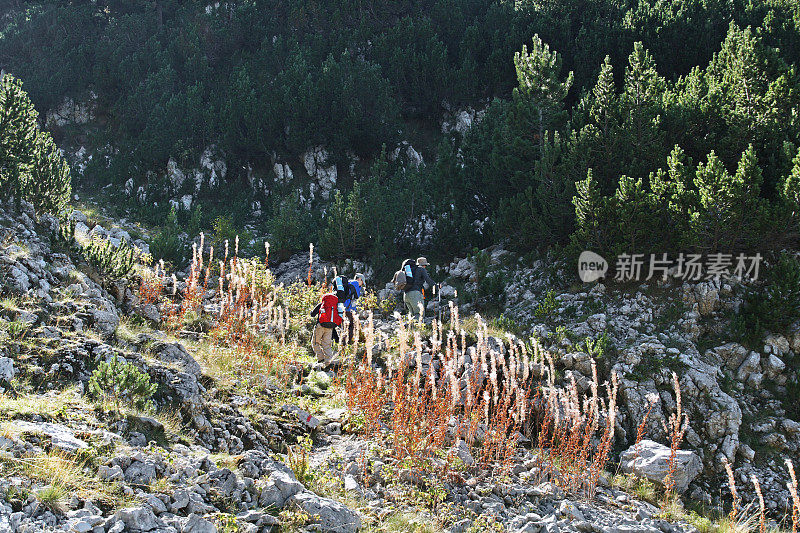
[{"x": 329, "y": 316}]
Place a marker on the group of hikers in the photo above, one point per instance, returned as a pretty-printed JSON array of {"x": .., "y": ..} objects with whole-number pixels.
[{"x": 334, "y": 306}]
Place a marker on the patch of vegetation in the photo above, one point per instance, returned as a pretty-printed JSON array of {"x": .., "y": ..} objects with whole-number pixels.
[
  {"x": 772, "y": 307},
  {"x": 641, "y": 487},
  {"x": 120, "y": 381},
  {"x": 506, "y": 323},
  {"x": 73, "y": 475},
  {"x": 408, "y": 522},
  {"x": 52, "y": 496},
  {"x": 650, "y": 365},
  {"x": 114, "y": 261},
  {"x": 298, "y": 457},
  {"x": 599, "y": 348},
  {"x": 670, "y": 314},
  {"x": 51, "y": 406},
  {"x": 167, "y": 243},
  {"x": 546, "y": 309},
  {"x": 226, "y": 523}
]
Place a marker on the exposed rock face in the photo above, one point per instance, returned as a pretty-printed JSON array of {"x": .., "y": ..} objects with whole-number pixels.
[
  {"x": 71, "y": 112},
  {"x": 333, "y": 516},
  {"x": 185, "y": 202},
  {"x": 6, "y": 369},
  {"x": 60, "y": 436},
  {"x": 461, "y": 121},
  {"x": 324, "y": 176},
  {"x": 651, "y": 460},
  {"x": 212, "y": 169},
  {"x": 408, "y": 155},
  {"x": 283, "y": 173},
  {"x": 105, "y": 322},
  {"x": 175, "y": 175}
]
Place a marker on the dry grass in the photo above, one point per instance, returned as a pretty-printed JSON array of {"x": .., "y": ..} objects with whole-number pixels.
[
  {"x": 792, "y": 486},
  {"x": 498, "y": 399},
  {"x": 675, "y": 428},
  {"x": 49, "y": 405},
  {"x": 63, "y": 475}
]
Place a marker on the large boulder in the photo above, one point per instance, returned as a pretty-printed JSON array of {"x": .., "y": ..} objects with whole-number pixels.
[
  {"x": 330, "y": 515},
  {"x": 61, "y": 436},
  {"x": 138, "y": 519},
  {"x": 141, "y": 472},
  {"x": 105, "y": 322},
  {"x": 196, "y": 524},
  {"x": 280, "y": 487},
  {"x": 176, "y": 355},
  {"x": 6, "y": 369},
  {"x": 651, "y": 460}
]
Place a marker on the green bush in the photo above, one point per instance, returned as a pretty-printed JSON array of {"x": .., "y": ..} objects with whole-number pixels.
[
  {"x": 491, "y": 293},
  {"x": 167, "y": 244},
  {"x": 31, "y": 167},
  {"x": 115, "y": 261},
  {"x": 290, "y": 227},
  {"x": 547, "y": 307},
  {"x": 775, "y": 305},
  {"x": 121, "y": 382},
  {"x": 225, "y": 230}
]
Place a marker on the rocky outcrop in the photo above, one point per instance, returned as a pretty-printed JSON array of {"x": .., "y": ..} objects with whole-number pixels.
[
  {"x": 460, "y": 121},
  {"x": 330, "y": 515},
  {"x": 322, "y": 173},
  {"x": 72, "y": 112},
  {"x": 652, "y": 460}
]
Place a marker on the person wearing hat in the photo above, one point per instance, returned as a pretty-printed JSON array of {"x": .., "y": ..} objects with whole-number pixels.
[{"x": 412, "y": 295}]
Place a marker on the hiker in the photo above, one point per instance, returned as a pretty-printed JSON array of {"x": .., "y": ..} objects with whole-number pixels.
[
  {"x": 354, "y": 290},
  {"x": 415, "y": 276},
  {"x": 329, "y": 316}
]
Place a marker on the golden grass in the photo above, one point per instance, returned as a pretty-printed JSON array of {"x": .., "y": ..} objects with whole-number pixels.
[
  {"x": 48, "y": 405},
  {"x": 65, "y": 474}
]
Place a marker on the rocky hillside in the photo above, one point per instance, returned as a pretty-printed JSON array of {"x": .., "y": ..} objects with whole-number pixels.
[{"x": 149, "y": 402}]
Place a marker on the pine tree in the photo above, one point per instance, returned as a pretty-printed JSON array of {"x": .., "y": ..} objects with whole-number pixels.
[
  {"x": 18, "y": 133},
  {"x": 541, "y": 214},
  {"x": 631, "y": 219},
  {"x": 48, "y": 184},
  {"x": 730, "y": 214},
  {"x": 31, "y": 167},
  {"x": 673, "y": 187},
  {"x": 673, "y": 198},
  {"x": 643, "y": 86},
  {"x": 642, "y": 107},
  {"x": 740, "y": 66},
  {"x": 590, "y": 215},
  {"x": 605, "y": 97},
  {"x": 538, "y": 75},
  {"x": 790, "y": 191}
]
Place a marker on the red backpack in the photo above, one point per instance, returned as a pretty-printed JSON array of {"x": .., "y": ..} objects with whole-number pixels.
[{"x": 329, "y": 312}]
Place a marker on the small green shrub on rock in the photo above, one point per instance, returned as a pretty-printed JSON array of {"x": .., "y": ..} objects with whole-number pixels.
[
  {"x": 108, "y": 259},
  {"x": 121, "y": 381}
]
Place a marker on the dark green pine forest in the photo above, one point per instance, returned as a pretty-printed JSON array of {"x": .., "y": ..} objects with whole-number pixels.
[{"x": 614, "y": 125}]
